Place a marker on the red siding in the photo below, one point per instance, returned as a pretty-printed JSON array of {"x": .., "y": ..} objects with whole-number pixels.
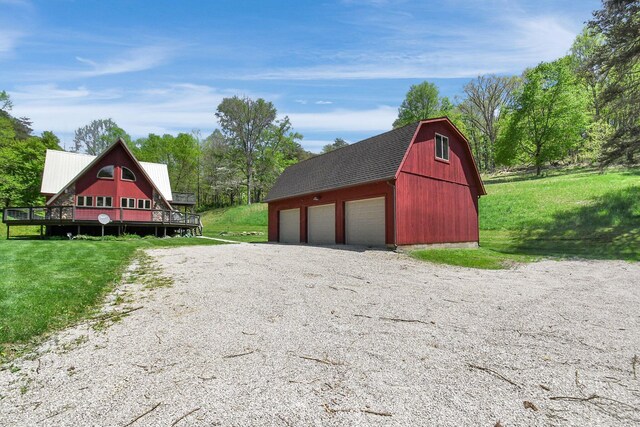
[
  {"x": 436, "y": 201},
  {"x": 339, "y": 197},
  {"x": 433, "y": 211},
  {"x": 90, "y": 185}
]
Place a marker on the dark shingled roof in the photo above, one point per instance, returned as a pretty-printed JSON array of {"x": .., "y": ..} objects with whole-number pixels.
[{"x": 374, "y": 159}]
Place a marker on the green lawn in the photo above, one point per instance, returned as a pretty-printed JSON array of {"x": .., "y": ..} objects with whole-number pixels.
[
  {"x": 231, "y": 223},
  {"x": 49, "y": 284},
  {"x": 568, "y": 213}
]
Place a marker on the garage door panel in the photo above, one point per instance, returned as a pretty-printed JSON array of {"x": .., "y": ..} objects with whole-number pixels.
[
  {"x": 289, "y": 226},
  {"x": 365, "y": 222},
  {"x": 321, "y": 224}
]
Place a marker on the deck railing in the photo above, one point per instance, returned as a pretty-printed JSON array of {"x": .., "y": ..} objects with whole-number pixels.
[{"x": 66, "y": 214}]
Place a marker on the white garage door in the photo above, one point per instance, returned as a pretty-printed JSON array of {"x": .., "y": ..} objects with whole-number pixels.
[
  {"x": 322, "y": 225},
  {"x": 290, "y": 226},
  {"x": 364, "y": 222}
]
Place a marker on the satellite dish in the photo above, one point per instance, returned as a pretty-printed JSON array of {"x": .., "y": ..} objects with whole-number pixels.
[{"x": 104, "y": 219}]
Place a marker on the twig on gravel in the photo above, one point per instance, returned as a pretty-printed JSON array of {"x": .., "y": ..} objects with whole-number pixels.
[
  {"x": 247, "y": 333},
  {"x": 324, "y": 361},
  {"x": 185, "y": 416},
  {"x": 158, "y": 336},
  {"x": 231, "y": 356},
  {"x": 119, "y": 313},
  {"x": 343, "y": 289},
  {"x": 143, "y": 414},
  {"x": 397, "y": 319},
  {"x": 574, "y": 398},
  {"x": 544, "y": 387},
  {"x": 382, "y": 414},
  {"x": 38, "y": 367},
  {"x": 634, "y": 362},
  {"x": 491, "y": 371}
]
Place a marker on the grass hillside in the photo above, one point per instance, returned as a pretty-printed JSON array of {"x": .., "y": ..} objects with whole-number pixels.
[
  {"x": 567, "y": 213},
  {"x": 241, "y": 223}
]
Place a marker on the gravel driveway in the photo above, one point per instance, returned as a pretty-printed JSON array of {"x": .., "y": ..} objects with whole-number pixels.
[{"x": 261, "y": 335}]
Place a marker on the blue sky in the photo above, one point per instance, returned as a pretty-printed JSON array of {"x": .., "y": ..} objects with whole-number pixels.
[{"x": 336, "y": 68}]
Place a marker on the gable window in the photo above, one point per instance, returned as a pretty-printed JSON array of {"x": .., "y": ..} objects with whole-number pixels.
[
  {"x": 106, "y": 172},
  {"x": 127, "y": 174},
  {"x": 144, "y": 204},
  {"x": 104, "y": 201},
  {"x": 126, "y": 202},
  {"x": 84, "y": 201},
  {"x": 442, "y": 147}
]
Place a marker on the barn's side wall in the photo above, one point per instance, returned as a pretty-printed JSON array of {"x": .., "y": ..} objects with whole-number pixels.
[
  {"x": 339, "y": 197},
  {"x": 436, "y": 201}
]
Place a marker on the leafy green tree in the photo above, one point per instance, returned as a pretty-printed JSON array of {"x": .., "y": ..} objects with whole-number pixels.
[
  {"x": 245, "y": 123},
  {"x": 338, "y": 143},
  {"x": 21, "y": 158},
  {"x": 617, "y": 63},
  {"x": 180, "y": 153},
  {"x": 95, "y": 137},
  {"x": 547, "y": 118},
  {"x": 483, "y": 112},
  {"x": 421, "y": 102}
]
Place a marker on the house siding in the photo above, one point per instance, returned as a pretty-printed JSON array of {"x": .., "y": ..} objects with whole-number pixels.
[{"x": 339, "y": 197}]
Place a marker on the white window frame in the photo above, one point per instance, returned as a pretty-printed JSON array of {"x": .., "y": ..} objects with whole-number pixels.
[
  {"x": 113, "y": 172},
  {"x": 127, "y": 202},
  {"x": 444, "y": 143},
  {"x": 81, "y": 201},
  {"x": 122, "y": 169},
  {"x": 146, "y": 203},
  {"x": 103, "y": 199}
]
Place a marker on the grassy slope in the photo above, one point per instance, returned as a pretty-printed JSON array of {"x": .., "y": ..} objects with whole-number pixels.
[
  {"x": 49, "y": 284},
  {"x": 570, "y": 213},
  {"x": 229, "y": 223}
]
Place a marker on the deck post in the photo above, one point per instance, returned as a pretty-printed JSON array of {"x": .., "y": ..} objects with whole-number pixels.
[
  {"x": 8, "y": 227},
  {"x": 155, "y": 231},
  {"x": 78, "y": 229},
  {"x": 165, "y": 232},
  {"x": 41, "y": 227}
]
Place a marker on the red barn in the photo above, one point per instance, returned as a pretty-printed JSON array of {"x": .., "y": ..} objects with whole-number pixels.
[
  {"x": 415, "y": 185},
  {"x": 126, "y": 194}
]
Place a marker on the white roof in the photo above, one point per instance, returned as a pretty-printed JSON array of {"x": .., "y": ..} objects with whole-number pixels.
[{"x": 60, "y": 167}]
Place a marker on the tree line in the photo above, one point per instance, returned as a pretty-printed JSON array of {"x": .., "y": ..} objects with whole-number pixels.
[{"x": 582, "y": 108}]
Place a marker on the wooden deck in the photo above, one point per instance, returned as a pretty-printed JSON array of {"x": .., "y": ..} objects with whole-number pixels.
[{"x": 88, "y": 216}]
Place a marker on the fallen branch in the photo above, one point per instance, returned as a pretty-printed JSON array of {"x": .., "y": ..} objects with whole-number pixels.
[
  {"x": 231, "y": 356},
  {"x": 491, "y": 371},
  {"x": 343, "y": 289},
  {"x": 382, "y": 414},
  {"x": 397, "y": 319},
  {"x": 184, "y": 416},
  {"x": 143, "y": 414},
  {"x": 119, "y": 313},
  {"x": 575, "y": 399},
  {"x": 324, "y": 361}
]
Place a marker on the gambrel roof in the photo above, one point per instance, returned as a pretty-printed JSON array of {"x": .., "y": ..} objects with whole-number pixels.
[
  {"x": 62, "y": 168},
  {"x": 378, "y": 158}
]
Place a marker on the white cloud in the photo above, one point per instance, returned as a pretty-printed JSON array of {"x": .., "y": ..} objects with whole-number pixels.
[
  {"x": 324, "y": 102},
  {"x": 170, "y": 109},
  {"x": 137, "y": 59},
  {"x": 301, "y": 101},
  {"x": 9, "y": 39},
  {"x": 511, "y": 44},
  {"x": 342, "y": 120}
]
